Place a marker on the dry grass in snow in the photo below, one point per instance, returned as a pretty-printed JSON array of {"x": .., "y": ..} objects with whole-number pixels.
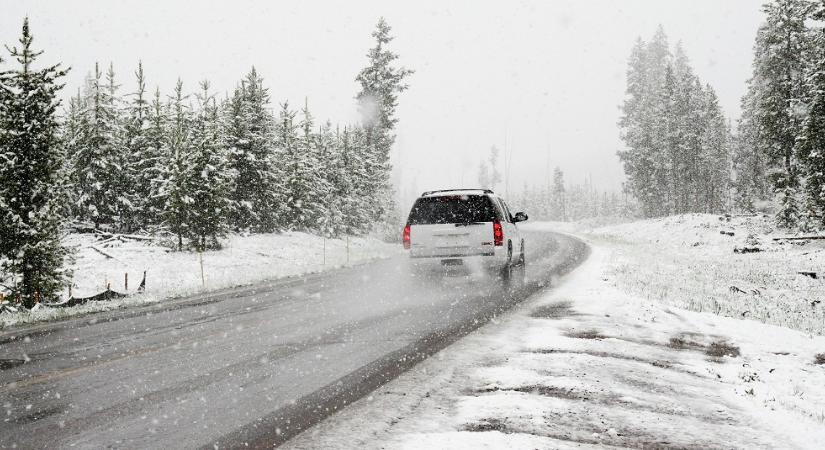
[{"x": 689, "y": 261}]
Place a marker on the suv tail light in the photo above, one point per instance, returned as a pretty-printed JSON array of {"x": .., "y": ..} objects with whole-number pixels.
[
  {"x": 406, "y": 237},
  {"x": 498, "y": 234}
]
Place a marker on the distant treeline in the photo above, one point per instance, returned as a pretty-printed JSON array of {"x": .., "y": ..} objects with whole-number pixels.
[{"x": 558, "y": 201}]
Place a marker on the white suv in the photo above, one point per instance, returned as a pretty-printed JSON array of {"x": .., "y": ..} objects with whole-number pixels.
[{"x": 464, "y": 225}]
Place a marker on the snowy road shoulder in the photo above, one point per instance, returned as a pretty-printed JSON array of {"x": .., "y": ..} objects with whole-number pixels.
[
  {"x": 244, "y": 260},
  {"x": 587, "y": 365}
]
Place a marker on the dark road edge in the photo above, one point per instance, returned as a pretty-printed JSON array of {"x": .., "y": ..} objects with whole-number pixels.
[{"x": 287, "y": 422}]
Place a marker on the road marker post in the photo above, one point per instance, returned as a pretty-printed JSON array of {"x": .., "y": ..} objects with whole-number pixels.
[{"x": 200, "y": 259}]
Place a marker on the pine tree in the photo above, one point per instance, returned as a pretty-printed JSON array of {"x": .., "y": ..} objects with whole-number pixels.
[
  {"x": 351, "y": 181},
  {"x": 750, "y": 163},
  {"x": 559, "y": 196},
  {"x": 779, "y": 60},
  {"x": 642, "y": 125},
  {"x": 176, "y": 189},
  {"x": 141, "y": 158},
  {"x": 31, "y": 188},
  {"x": 811, "y": 143},
  {"x": 381, "y": 82},
  {"x": 153, "y": 166},
  {"x": 257, "y": 203},
  {"x": 97, "y": 160},
  {"x": 677, "y": 156},
  {"x": 296, "y": 169},
  {"x": 330, "y": 167},
  {"x": 207, "y": 176}
]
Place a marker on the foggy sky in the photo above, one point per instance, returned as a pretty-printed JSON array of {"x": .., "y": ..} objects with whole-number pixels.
[{"x": 546, "y": 75}]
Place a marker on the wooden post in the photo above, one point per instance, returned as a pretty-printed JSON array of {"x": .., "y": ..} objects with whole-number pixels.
[
  {"x": 126, "y": 281},
  {"x": 70, "y": 289},
  {"x": 203, "y": 278}
]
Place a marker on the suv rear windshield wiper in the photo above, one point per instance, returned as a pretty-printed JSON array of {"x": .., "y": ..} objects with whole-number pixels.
[{"x": 466, "y": 224}]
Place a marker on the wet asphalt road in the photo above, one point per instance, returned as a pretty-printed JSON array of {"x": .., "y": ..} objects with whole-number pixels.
[{"x": 246, "y": 367}]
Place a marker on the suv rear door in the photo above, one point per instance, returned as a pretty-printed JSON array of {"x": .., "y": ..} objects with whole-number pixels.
[{"x": 452, "y": 226}]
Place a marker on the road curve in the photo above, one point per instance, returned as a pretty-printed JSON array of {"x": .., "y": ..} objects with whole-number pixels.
[{"x": 246, "y": 367}]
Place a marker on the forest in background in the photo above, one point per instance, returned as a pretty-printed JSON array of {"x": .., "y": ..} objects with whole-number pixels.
[
  {"x": 682, "y": 156},
  {"x": 191, "y": 166}
]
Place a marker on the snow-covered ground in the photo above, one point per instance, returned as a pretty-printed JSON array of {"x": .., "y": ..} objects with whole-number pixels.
[
  {"x": 242, "y": 260},
  {"x": 593, "y": 364},
  {"x": 687, "y": 261}
]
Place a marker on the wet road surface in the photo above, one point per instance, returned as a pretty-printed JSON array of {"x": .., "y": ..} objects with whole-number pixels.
[{"x": 246, "y": 367}]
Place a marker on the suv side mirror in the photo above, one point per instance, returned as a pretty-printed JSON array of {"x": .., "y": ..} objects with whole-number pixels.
[{"x": 520, "y": 217}]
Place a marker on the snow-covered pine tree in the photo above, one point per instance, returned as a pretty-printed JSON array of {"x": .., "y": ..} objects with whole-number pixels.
[
  {"x": 31, "y": 188},
  {"x": 779, "y": 61},
  {"x": 96, "y": 163},
  {"x": 483, "y": 176},
  {"x": 122, "y": 176},
  {"x": 242, "y": 217},
  {"x": 296, "y": 168},
  {"x": 381, "y": 82},
  {"x": 715, "y": 165},
  {"x": 257, "y": 203},
  {"x": 811, "y": 142},
  {"x": 141, "y": 160},
  {"x": 70, "y": 135},
  {"x": 686, "y": 132},
  {"x": 495, "y": 175},
  {"x": 175, "y": 189},
  {"x": 312, "y": 177},
  {"x": 750, "y": 163},
  {"x": 559, "y": 196},
  {"x": 642, "y": 126},
  {"x": 153, "y": 167},
  {"x": 207, "y": 176},
  {"x": 330, "y": 167},
  {"x": 354, "y": 203}
]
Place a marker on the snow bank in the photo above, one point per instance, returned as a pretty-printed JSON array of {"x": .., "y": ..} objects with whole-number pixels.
[{"x": 243, "y": 260}]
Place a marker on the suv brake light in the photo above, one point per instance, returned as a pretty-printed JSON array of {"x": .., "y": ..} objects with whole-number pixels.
[
  {"x": 498, "y": 234},
  {"x": 406, "y": 237}
]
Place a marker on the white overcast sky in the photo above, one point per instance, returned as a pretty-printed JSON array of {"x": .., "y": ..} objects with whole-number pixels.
[{"x": 548, "y": 75}]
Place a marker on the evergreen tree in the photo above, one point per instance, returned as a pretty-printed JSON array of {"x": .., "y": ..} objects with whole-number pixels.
[
  {"x": 677, "y": 157},
  {"x": 330, "y": 166},
  {"x": 153, "y": 167},
  {"x": 811, "y": 143},
  {"x": 141, "y": 158},
  {"x": 256, "y": 195},
  {"x": 779, "y": 61},
  {"x": 559, "y": 195},
  {"x": 97, "y": 160},
  {"x": 297, "y": 172},
  {"x": 207, "y": 176},
  {"x": 31, "y": 188},
  {"x": 176, "y": 186},
  {"x": 381, "y": 82},
  {"x": 714, "y": 161},
  {"x": 750, "y": 164}
]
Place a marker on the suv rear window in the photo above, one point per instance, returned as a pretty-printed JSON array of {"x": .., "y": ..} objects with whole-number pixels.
[{"x": 452, "y": 209}]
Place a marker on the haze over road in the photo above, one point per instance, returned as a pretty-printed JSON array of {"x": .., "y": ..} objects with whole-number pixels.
[{"x": 251, "y": 365}]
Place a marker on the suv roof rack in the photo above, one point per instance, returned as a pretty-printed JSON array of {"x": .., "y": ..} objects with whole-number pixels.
[{"x": 486, "y": 191}]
